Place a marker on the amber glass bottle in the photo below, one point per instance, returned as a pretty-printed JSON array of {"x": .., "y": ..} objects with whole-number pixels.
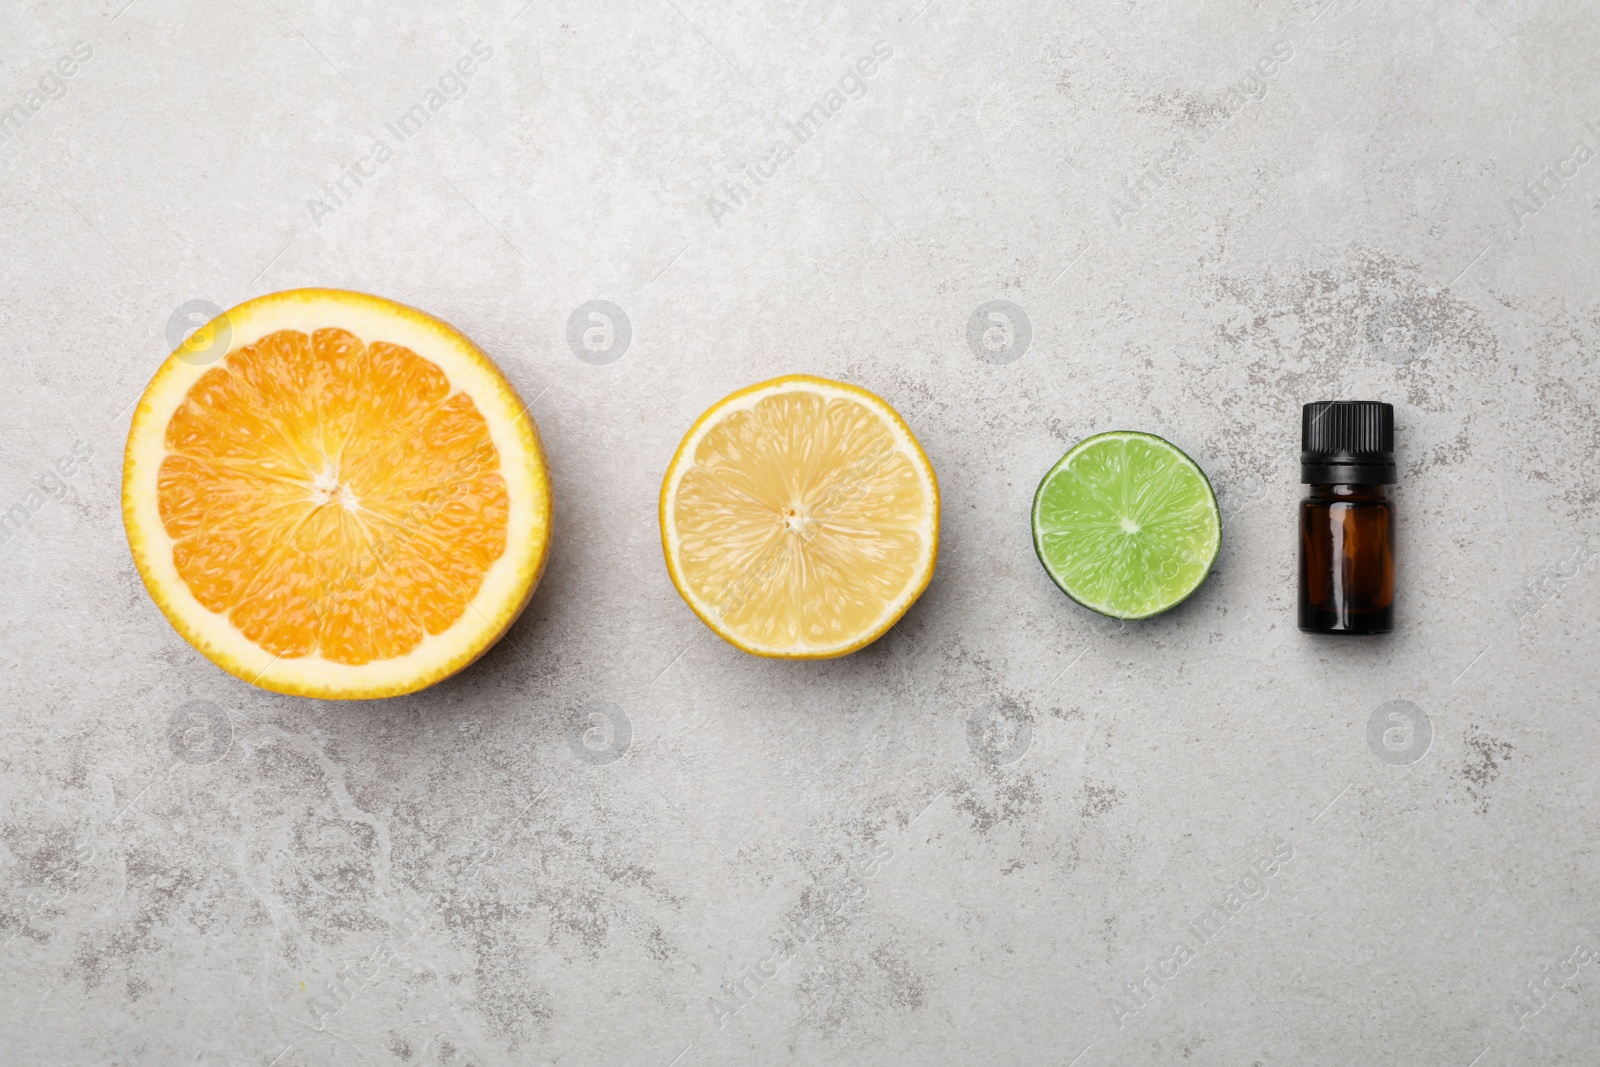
[{"x": 1347, "y": 520}]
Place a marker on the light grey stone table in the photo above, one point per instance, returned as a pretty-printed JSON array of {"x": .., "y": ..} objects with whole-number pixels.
[{"x": 1008, "y": 833}]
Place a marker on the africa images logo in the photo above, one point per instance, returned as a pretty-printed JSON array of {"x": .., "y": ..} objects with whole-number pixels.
[
  {"x": 853, "y": 86},
  {"x": 1550, "y": 181},
  {"x": 1139, "y": 190},
  {"x": 451, "y": 85},
  {"x": 1250, "y": 887},
  {"x": 51, "y": 485},
  {"x": 52, "y": 86}
]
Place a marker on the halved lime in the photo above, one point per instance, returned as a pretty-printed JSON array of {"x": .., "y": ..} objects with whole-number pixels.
[{"x": 1126, "y": 524}]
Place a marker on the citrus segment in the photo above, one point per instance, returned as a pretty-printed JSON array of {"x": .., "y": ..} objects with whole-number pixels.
[
  {"x": 1126, "y": 524},
  {"x": 350, "y": 503},
  {"x": 800, "y": 518}
]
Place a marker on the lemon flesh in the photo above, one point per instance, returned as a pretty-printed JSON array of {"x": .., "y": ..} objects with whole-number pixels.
[{"x": 800, "y": 518}]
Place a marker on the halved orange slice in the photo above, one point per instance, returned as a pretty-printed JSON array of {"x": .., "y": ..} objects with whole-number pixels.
[
  {"x": 800, "y": 518},
  {"x": 349, "y": 502}
]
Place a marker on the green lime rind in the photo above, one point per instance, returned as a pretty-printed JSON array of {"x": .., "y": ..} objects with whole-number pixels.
[{"x": 1126, "y": 524}]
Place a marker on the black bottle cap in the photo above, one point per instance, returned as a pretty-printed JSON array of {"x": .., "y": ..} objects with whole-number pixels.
[{"x": 1347, "y": 442}]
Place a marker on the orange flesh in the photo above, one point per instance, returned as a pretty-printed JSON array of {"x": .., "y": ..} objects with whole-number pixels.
[
  {"x": 332, "y": 497},
  {"x": 800, "y": 520}
]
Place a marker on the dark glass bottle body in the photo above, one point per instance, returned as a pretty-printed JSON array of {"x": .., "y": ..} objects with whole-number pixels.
[{"x": 1347, "y": 560}]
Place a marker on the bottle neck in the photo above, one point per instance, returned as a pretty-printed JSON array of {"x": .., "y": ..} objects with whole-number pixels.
[{"x": 1348, "y": 492}]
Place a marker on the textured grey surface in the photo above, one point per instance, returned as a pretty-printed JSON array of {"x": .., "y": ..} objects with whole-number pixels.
[{"x": 962, "y": 844}]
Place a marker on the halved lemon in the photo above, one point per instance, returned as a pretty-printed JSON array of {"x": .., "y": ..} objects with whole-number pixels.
[
  {"x": 800, "y": 518},
  {"x": 347, "y": 502}
]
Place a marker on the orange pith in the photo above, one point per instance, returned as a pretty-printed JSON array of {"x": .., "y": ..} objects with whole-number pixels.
[
  {"x": 331, "y": 497},
  {"x": 802, "y": 519}
]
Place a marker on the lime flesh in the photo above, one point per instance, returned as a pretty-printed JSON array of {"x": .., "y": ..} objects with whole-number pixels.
[{"x": 1126, "y": 524}]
